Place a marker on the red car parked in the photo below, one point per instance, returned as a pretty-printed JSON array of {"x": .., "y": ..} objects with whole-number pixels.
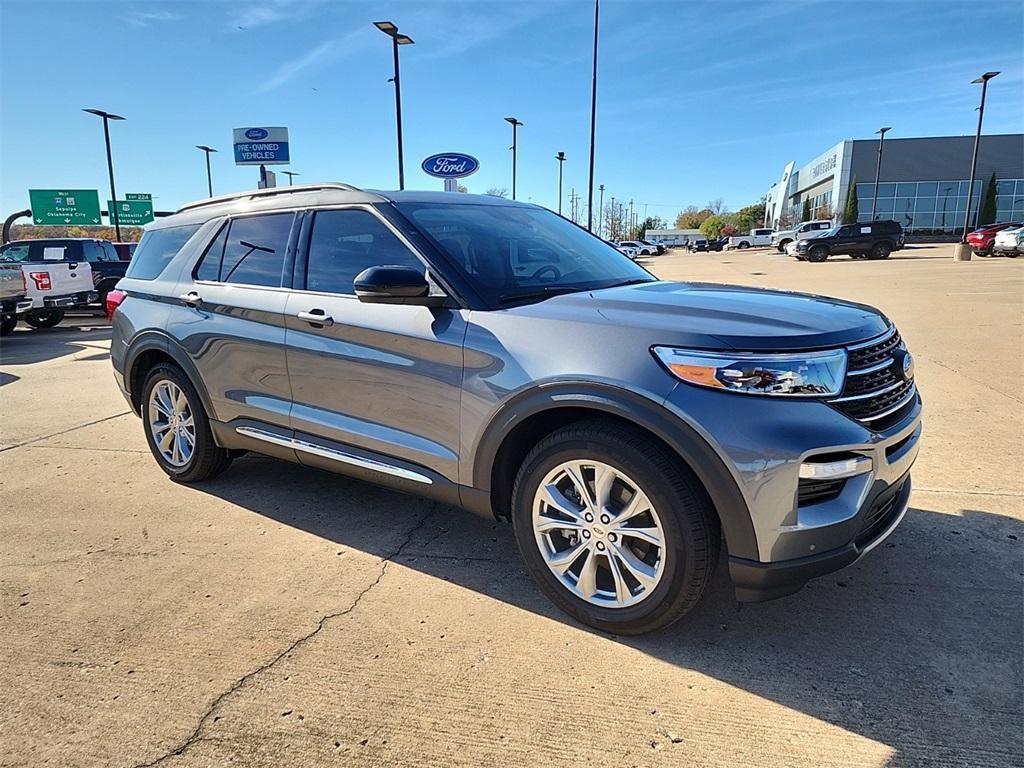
[{"x": 982, "y": 238}]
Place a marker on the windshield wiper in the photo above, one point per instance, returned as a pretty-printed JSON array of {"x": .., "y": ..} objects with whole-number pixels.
[{"x": 542, "y": 293}]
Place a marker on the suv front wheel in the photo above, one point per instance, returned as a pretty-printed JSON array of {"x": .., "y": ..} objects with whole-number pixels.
[
  {"x": 880, "y": 251},
  {"x": 177, "y": 428},
  {"x": 613, "y": 529},
  {"x": 817, "y": 254}
]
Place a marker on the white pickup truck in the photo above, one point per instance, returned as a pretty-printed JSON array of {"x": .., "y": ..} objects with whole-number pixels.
[
  {"x": 51, "y": 285},
  {"x": 754, "y": 239},
  {"x": 801, "y": 232}
]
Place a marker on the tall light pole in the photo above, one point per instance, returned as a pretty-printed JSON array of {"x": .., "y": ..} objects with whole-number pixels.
[
  {"x": 630, "y": 220},
  {"x": 878, "y": 169},
  {"x": 209, "y": 177},
  {"x": 974, "y": 158},
  {"x": 515, "y": 124},
  {"x": 593, "y": 125},
  {"x": 560, "y": 157},
  {"x": 600, "y": 212},
  {"x": 397, "y": 39},
  {"x": 108, "y": 116},
  {"x": 290, "y": 175}
]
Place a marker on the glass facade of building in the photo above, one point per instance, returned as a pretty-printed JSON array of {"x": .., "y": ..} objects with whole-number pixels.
[{"x": 938, "y": 207}]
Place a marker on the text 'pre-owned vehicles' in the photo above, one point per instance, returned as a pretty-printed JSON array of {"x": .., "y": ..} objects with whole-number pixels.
[
  {"x": 868, "y": 240},
  {"x": 492, "y": 355}
]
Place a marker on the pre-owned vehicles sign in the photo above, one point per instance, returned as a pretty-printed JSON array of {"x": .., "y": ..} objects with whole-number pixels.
[{"x": 261, "y": 146}]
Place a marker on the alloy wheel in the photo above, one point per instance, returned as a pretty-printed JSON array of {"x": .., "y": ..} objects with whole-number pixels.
[
  {"x": 599, "y": 534},
  {"x": 171, "y": 422}
]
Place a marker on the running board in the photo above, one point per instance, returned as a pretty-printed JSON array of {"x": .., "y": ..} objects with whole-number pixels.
[{"x": 334, "y": 454}]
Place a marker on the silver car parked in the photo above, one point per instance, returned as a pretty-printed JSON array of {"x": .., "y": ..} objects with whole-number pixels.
[{"x": 495, "y": 356}]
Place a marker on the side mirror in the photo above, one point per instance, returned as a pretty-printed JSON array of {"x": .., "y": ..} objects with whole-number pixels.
[{"x": 392, "y": 284}]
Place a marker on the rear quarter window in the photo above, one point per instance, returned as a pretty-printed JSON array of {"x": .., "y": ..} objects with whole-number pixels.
[{"x": 156, "y": 249}]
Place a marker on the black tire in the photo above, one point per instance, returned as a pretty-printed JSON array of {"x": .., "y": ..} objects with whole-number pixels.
[
  {"x": 782, "y": 245},
  {"x": 879, "y": 251},
  {"x": 7, "y": 324},
  {"x": 817, "y": 254},
  {"x": 691, "y": 528},
  {"x": 744, "y": 246},
  {"x": 208, "y": 459},
  {"x": 43, "y": 318}
]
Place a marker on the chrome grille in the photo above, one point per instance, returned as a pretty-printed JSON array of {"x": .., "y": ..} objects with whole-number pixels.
[{"x": 875, "y": 392}]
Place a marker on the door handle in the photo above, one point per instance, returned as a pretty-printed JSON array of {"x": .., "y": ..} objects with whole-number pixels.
[
  {"x": 191, "y": 298},
  {"x": 316, "y": 317}
]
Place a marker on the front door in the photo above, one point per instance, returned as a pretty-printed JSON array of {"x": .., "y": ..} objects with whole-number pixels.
[{"x": 382, "y": 378}]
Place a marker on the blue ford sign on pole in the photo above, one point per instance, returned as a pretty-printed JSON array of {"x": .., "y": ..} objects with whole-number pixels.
[
  {"x": 450, "y": 166},
  {"x": 261, "y": 146}
]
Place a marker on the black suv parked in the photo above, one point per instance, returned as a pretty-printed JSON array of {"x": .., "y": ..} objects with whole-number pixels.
[{"x": 868, "y": 240}]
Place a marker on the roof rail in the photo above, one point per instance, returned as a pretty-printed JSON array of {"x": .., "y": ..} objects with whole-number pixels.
[{"x": 256, "y": 193}]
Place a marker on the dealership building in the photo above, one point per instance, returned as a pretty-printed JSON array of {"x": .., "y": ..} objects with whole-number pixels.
[{"x": 922, "y": 185}]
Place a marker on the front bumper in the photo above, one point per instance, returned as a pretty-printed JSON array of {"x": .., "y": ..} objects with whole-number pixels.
[{"x": 756, "y": 581}]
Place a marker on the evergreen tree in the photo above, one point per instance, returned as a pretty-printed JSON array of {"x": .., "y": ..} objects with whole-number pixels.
[
  {"x": 988, "y": 203},
  {"x": 850, "y": 210},
  {"x": 806, "y": 216}
]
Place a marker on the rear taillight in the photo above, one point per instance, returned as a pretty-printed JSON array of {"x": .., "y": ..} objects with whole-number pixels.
[
  {"x": 24, "y": 285},
  {"x": 114, "y": 299},
  {"x": 42, "y": 280}
]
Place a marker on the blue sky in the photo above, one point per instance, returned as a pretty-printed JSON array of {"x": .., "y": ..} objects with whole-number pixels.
[{"x": 696, "y": 100}]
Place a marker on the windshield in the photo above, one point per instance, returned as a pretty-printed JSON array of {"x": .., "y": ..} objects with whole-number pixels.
[{"x": 514, "y": 252}]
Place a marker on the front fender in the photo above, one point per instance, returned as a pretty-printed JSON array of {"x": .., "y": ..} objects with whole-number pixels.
[{"x": 646, "y": 413}]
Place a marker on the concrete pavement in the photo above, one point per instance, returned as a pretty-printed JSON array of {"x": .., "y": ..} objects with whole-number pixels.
[{"x": 281, "y": 616}]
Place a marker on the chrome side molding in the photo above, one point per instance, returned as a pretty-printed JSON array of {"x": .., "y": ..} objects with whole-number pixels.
[{"x": 334, "y": 454}]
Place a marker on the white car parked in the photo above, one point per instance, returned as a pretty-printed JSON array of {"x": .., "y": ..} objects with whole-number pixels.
[
  {"x": 640, "y": 247},
  {"x": 1009, "y": 242}
]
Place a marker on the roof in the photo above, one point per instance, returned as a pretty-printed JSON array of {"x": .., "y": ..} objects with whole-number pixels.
[{"x": 311, "y": 196}]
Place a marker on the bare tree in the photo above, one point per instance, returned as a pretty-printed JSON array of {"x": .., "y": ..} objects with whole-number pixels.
[
  {"x": 716, "y": 206},
  {"x": 497, "y": 192}
]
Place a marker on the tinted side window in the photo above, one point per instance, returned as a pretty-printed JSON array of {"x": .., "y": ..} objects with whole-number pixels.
[
  {"x": 156, "y": 249},
  {"x": 249, "y": 251},
  {"x": 17, "y": 252},
  {"x": 344, "y": 243}
]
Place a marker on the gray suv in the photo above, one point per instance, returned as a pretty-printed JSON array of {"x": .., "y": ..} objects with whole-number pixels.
[{"x": 495, "y": 356}]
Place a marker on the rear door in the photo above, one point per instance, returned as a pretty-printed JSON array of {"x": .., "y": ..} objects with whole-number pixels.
[
  {"x": 229, "y": 317},
  {"x": 849, "y": 241},
  {"x": 384, "y": 379}
]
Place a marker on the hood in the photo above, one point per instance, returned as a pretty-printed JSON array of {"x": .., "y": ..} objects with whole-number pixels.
[{"x": 711, "y": 316}]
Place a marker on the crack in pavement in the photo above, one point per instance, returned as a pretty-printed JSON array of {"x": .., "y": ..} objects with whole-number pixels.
[
  {"x": 63, "y": 431},
  {"x": 196, "y": 735}
]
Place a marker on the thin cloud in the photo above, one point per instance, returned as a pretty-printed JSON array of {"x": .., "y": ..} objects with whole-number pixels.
[
  {"x": 148, "y": 18},
  {"x": 272, "y": 12},
  {"x": 323, "y": 53}
]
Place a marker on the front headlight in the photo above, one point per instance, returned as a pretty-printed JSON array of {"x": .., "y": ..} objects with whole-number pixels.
[{"x": 810, "y": 374}]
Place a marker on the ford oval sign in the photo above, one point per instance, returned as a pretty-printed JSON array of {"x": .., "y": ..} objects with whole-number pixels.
[
  {"x": 256, "y": 134},
  {"x": 450, "y": 165}
]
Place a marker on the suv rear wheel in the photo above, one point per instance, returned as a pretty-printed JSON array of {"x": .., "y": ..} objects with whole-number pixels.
[
  {"x": 177, "y": 428},
  {"x": 817, "y": 254},
  {"x": 880, "y": 251},
  {"x": 613, "y": 529},
  {"x": 782, "y": 245}
]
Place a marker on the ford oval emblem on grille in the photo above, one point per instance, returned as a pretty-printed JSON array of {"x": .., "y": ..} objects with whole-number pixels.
[{"x": 908, "y": 366}]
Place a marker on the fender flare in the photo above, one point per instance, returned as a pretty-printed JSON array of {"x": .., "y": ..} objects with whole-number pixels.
[
  {"x": 160, "y": 342},
  {"x": 646, "y": 413}
]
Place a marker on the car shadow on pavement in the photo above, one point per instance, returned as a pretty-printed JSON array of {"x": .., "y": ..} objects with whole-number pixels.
[
  {"x": 917, "y": 647},
  {"x": 26, "y": 346}
]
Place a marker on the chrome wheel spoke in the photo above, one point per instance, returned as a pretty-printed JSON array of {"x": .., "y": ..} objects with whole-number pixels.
[
  {"x": 549, "y": 524},
  {"x": 587, "y": 582},
  {"x": 562, "y": 561},
  {"x": 604, "y": 479},
  {"x": 634, "y": 507},
  {"x": 621, "y": 589},
  {"x": 556, "y": 499},
  {"x": 574, "y": 472},
  {"x": 650, "y": 535},
  {"x": 647, "y": 575},
  {"x": 171, "y": 423}
]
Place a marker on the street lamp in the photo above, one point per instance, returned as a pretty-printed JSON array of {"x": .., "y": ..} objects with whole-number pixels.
[
  {"x": 600, "y": 212},
  {"x": 209, "y": 177},
  {"x": 290, "y": 174},
  {"x": 397, "y": 39},
  {"x": 515, "y": 124},
  {"x": 974, "y": 158},
  {"x": 107, "y": 116},
  {"x": 878, "y": 169},
  {"x": 593, "y": 125},
  {"x": 560, "y": 157}
]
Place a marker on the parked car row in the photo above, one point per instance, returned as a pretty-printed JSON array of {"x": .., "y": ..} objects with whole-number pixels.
[
  {"x": 1005, "y": 239},
  {"x": 696, "y": 246},
  {"x": 40, "y": 292}
]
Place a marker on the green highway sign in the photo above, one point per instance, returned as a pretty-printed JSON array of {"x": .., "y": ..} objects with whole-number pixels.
[
  {"x": 133, "y": 211},
  {"x": 55, "y": 207},
  {"x": 138, "y": 196}
]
